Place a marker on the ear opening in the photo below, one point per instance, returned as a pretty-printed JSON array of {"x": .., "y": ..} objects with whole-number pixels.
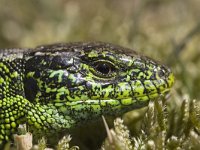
[{"x": 30, "y": 88}]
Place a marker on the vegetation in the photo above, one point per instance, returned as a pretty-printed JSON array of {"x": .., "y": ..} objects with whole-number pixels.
[{"x": 162, "y": 128}]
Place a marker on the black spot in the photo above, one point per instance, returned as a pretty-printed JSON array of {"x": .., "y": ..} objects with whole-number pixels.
[{"x": 31, "y": 88}]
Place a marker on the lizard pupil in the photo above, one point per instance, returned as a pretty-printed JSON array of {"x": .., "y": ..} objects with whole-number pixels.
[{"x": 104, "y": 68}]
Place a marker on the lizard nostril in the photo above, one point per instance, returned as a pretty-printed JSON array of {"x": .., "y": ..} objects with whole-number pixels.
[{"x": 161, "y": 73}]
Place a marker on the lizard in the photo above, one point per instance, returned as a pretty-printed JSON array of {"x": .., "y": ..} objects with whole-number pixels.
[{"x": 58, "y": 86}]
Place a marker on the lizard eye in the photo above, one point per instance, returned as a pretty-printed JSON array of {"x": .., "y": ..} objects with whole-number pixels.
[{"x": 104, "y": 68}]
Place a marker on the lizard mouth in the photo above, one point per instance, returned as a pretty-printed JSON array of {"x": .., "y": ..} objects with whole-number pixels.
[
  {"x": 121, "y": 102},
  {"x": 143, "y": 98},
  {"x": 149, "y": 90},
  {"x": 113, "y": 106}
]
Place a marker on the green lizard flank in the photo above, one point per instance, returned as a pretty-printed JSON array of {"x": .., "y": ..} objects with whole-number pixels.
[{"x": 56, "y": 87}]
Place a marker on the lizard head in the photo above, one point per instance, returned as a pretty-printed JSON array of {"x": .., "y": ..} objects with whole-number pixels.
[{"x": 86, "y": 80}]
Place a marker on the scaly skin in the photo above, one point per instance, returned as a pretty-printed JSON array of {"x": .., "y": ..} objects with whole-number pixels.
[{"x": 56, "y": 87}]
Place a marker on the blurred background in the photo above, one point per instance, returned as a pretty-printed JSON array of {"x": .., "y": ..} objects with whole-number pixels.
[{"x": 166, "y": 30}]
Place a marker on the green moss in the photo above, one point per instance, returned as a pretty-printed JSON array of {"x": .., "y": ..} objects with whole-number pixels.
[{"x": 163, "y": 127}]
